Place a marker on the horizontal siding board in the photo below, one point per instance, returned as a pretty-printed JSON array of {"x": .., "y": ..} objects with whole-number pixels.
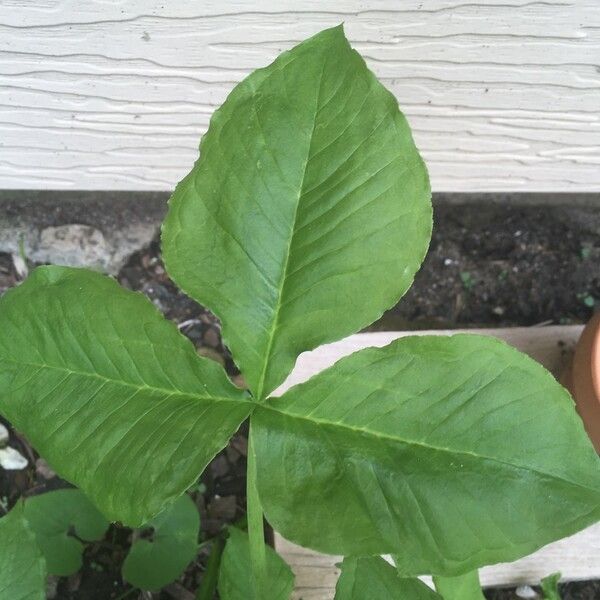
[{"x": 501, "y": 95}]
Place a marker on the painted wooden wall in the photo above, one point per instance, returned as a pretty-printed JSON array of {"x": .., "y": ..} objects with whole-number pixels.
[{"x": 502, "y": 95}]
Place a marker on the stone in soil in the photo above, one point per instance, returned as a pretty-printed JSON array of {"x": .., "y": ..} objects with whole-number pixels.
[{"x": 78, "y": 229}]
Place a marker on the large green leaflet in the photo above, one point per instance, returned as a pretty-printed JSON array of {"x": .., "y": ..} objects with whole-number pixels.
[
  {"x": 22, "y": 566},
  {"x": 109, "y": 392},
  {"x": 370, "y": 577},
  {"x": 309, "y": 208},
  {"x": 54, "y": 517},
  {"x": 152, "y": 563},
  {"x": 235, "y": 574},
  {"x": 453, "y": 452}
]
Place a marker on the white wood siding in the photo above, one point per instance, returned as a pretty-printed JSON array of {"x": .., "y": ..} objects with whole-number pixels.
[{"x": 502, "y": 95}]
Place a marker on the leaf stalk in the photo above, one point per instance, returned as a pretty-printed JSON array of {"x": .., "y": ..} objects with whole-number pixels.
[{"x": 256, "y": 531}]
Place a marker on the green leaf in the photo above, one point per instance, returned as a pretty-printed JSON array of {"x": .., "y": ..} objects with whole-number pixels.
[
  {"x": 22, "y": 567},
  {"x": 54, "y": 517},
  {"x": 369, "y": 577},
  {"x": 463, "y": 587},
  {"x": 153, "y": 563},
  {"x": 109, "y": 392},
  {"x": 312, "y": 203},
  {"x": 452, "y": 452},
  {"x": 235, "y": 577},
  {"x": 550, "y": 587}
]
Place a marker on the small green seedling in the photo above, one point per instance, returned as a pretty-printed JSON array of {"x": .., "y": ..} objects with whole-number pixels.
[
  {"x": 588, "y": 300},
  {"x": 585, "y": 251},
  {"x": 304, "y": 219},
  {"x": 63, "y": 521},
  {"x": 22, "y": 565},
  {"x": 550, "y": 587},
  {"x": 467, "y": 280},
  {"x": 153, "y": 562}
]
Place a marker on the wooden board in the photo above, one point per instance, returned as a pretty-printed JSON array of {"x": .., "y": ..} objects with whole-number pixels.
[
  {"x": 502, "y": 95},
  {"x": 577, "y": 557}
]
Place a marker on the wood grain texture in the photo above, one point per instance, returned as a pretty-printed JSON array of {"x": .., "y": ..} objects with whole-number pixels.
[
  {"x": 577, "y": 557},
  {"x": 502, "y": 95}
]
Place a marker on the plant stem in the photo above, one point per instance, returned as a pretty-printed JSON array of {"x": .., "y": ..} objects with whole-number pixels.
[
  {"x": 256, "y": 531},
  {"x": 211, "y": 575},
  {"x": 127, "y": 593},
  {"x": 463, "y": 587}
]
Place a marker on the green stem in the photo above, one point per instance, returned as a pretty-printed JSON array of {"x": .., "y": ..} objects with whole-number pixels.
[
  {"x": 256, "y": 531},
  {"x": 127, "y": 593},
  {"x": 210, "y": 579},
  {"x": 463, "y": 587}
]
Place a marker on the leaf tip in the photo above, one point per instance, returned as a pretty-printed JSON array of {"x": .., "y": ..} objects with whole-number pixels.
[{"x": 336, "y": 33}]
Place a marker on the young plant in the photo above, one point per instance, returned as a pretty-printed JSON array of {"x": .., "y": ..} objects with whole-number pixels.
[
  {"x": 550, "y": 587},
  {"x": 22, "y": 566},
  {"x": 305, "y": 217},
  {"x": 155, "y": 561},
  {"x": 62, "y": 521}
]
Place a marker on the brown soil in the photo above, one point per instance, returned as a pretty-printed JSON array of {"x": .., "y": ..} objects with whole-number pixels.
[
  {"x": 505, "y": 266},
  {"x": 575, "y": 590}
]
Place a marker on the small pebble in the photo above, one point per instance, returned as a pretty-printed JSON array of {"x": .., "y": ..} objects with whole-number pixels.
[
  {"x": 211, "y": 338},
  {"x": 20, "y": 266},
  {"x": 239, "y": 381},
  {"x": 212, "y": 354},
  {"x": 526, "y": 592},
  {"x": 51, "y": 587},
  {"x": 219, "y": 466},
  {"x": 12, "y": 460},
  {"x": 223, "y": 508},
  {"x": 74, "y": 582},
  {"x": 178, "y": 592},
  {"x": 240, "y": 443},
  {"x": 3, "y": 436},
  {"x": 232, "y": 455},
  {"x": 42, "y": 468}
]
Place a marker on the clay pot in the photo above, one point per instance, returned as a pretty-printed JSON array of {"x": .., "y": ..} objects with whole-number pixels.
[{"x": 582, "y": 379}]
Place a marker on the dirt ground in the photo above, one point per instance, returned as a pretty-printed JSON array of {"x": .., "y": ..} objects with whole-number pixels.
[
  {"x": 487, "y": 266},
  {"x": 505, "y": 266},
  {"x": 575, "y": 590}
]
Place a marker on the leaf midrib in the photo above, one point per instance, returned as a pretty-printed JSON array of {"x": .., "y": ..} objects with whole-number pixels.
[
  {"x": 421, "y": 444},
  {"x": 261, "y": 383},
  {"x": 120, "y": 382}
]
